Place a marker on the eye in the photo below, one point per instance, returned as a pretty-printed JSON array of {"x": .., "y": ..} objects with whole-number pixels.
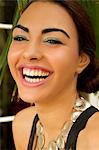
[
  {"x": 20, "y": 38},
  {"x": 53, "y": 41}
]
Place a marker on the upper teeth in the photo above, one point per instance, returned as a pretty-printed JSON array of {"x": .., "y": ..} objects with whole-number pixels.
[{"x": 34, "y": 72}]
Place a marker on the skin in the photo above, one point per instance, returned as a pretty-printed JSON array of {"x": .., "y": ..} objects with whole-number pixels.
[{"x": 62, "y": 60}]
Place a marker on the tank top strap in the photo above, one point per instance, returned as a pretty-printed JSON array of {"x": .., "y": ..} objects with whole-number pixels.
[
  {"x": 33, "y": 131},
  {"x": 79, "y": 125}
]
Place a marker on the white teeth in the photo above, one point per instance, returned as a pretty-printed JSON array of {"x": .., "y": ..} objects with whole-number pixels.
[
  {"x": 40, "y": 73},
  {"x": 43, "y": 74},
  {"x": 24, "y": 71},
  {"x": 28, "y": 72},
  {"x": 41, "y": 79},
  {"x": 33, "y": 80},
  {"x": 27, "y": 79},
  {"x": 37, "y": 80},
  {"x": 35, "y": 72},
  {"x": 31, "y": 73}
]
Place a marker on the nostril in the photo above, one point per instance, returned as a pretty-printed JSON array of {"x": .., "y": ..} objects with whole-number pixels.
[{"x": 33, "y": 58}]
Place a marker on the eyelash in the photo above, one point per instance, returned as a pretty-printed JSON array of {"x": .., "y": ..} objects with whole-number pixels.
[
  {"x": 20, "y": 38},
  {"x": 53, "y": 41},
  {"x": 50, "y": 41}
]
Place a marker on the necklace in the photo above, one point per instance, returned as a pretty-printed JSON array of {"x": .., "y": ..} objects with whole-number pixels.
[{"x": 59, "y": 143}]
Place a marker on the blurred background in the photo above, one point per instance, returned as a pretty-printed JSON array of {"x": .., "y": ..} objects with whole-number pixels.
[{"x": 9, "y": 103}]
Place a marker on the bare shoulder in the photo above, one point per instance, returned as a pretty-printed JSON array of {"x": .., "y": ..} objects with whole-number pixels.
[
  {"x": 25, "y": 114},
  {"x": 92, "y": 126},
  {"x": 89, "y": 137},
  {"x": 22, "y": 125}
]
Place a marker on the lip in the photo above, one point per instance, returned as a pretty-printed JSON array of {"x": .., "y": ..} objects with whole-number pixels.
[{"x": 37, "y": 84}]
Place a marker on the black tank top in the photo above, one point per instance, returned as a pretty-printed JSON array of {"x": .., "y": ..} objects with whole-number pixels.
[{"x": 79, "y": 125}]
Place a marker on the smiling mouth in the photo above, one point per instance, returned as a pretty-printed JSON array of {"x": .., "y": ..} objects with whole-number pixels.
[{"x": 35, "y": 75}]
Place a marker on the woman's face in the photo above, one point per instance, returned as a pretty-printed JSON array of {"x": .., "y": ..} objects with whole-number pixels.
[{"x": 44, "y": 54}]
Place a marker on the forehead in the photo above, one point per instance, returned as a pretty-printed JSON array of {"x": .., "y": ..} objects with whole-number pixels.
[{"x": 47, "y": 14}]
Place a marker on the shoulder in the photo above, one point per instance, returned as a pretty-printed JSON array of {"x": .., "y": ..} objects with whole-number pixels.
[
  {"x": 92, "y": 125},
  {"x": 89, "y": 137},
  {"x": 21, "y": 126}
]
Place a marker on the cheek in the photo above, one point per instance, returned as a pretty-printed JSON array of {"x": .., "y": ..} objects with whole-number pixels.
[
  {"x": 11, "y": 62},
  {"x": 12, "y": 58},
  {"x": 65, "y": 58},
  {"x": 13, "y": 54}
]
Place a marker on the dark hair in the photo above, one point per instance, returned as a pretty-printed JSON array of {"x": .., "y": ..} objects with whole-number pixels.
[{"x": 88, "y": 80}]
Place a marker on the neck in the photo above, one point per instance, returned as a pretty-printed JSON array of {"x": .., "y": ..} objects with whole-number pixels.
[{"x": 54, "y": 113}]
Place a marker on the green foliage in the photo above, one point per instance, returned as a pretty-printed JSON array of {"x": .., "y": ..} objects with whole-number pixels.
[
  {"x": 22, "y": 4},
  {"x": 3, "y": 56},
  {"x": 92, "y": 8},
  {"x": 5, "y": 78},
  {"x": 97, "y": 27}
]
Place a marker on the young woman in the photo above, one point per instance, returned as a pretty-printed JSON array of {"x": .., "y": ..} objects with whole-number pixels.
[{"x": 52, "y": 59}]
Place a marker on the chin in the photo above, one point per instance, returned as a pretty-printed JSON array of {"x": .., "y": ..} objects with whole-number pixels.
[
  {"x": 32, "y": 96},
  {"x": 27, "y": 98}
]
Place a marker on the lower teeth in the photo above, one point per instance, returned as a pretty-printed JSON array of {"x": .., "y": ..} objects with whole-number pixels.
[{"x": 34, "y": 80}]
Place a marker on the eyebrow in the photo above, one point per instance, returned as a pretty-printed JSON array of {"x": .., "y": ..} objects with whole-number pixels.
[
  {"x": 21, "y": 27},
  {"x": 44, "y": 31},
  {"x": 47, "y": 30}
]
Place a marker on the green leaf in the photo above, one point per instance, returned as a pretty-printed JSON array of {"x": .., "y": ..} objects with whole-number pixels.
[{"x": 22, "y": 4}]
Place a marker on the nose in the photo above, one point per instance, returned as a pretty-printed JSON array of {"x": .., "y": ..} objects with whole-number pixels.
[{"x": 32, "y": 52}]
